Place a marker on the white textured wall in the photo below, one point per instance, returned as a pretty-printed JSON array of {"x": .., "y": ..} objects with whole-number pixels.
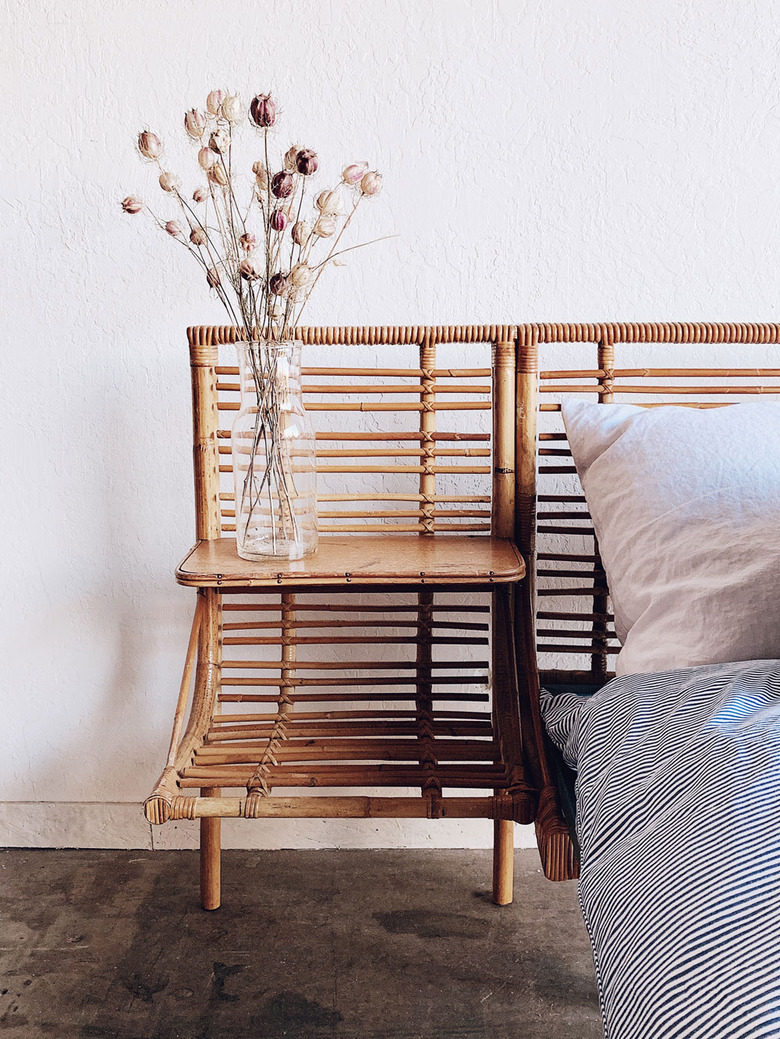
[{"x": 543, "y": 160}]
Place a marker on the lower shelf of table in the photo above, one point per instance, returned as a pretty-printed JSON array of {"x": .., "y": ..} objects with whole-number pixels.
[{"x": 445, "y": 753}]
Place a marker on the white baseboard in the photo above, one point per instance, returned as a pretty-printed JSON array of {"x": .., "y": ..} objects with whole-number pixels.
[{"x": 42, "y": 824}]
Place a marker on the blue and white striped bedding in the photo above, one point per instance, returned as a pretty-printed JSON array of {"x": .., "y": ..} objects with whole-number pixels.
[{"x": 678, "y": 818}]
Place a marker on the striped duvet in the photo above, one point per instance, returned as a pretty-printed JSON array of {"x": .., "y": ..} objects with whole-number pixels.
[{"x": 678, "y": 818}]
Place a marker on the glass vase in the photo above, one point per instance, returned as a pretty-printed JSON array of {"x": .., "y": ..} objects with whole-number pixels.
[{"x": 274, "y": 460}]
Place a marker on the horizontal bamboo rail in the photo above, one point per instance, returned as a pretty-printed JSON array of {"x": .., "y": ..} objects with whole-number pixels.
[{"x": 342, "y": 807}]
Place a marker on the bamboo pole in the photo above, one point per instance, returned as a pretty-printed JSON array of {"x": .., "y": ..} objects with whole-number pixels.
[
  {"x": 504, "y": 356},
  {"x": 341, "y": 807},
  {"x": 210, "y": 857}
]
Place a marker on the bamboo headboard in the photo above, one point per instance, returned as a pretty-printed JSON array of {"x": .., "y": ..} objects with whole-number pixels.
[{"x": 645, "y": 364}]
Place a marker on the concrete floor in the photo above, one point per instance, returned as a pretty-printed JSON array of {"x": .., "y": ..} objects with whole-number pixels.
[{"x": 346, "y": 944}]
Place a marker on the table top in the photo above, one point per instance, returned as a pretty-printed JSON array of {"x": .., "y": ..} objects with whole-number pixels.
[{"x": 361, "y": 559}]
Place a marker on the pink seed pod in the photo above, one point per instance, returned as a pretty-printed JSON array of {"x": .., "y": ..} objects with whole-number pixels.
[
  {"x": 371, "y": 184},
  {"x": 174, "y": 229},
  {"x": 218, "y": 175},
  {"x": 306, "y": 162},
  {"x": 198, "y": 236},
  {"x": 282, "y": 184},
  {"x": 353, "y": 174},
  {"x": 214, "y": 102},
  {"x": 206, "y": 158},
  {"x": 247, "y": 242},
  {"x": 279, "y": 220},
  {"x": 262, "y": 111},
  {"x": 200, "y": 195},
  {"x": 149, "y": 145},
  {"x": 195, "y": 123},
  {"x": 131, "y": 204},
  {"x": 279, "y": 284},
  {"x": 169, "y": 182}
]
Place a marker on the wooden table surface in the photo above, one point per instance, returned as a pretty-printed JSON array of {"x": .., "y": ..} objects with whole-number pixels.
[{"x": 361, "y": 559}]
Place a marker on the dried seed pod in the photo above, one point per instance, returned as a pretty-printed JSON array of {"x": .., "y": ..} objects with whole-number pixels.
[
  {"x": 290, "y": 156},
  {"x": 249, "y": 270},
  {"x": 328, "y": 203},
  {"x": 195, "y": 123},
  {"x": 282, "y": 184},
  {"x": 353, "y": 174},
  {"x": 262, "y": 111},
  {"x": 218, "y": 175},
  {"x": 169, "y": 181},
  {"x": 279, "y": 284},
  {"x": 231, "y": 108},
  {"x": 279, "y": 220},
  {"x": 200, "y": 195},
  {"x": 149, "y": 145},
  {"x": 206, "y": 158},
  {"x": 247, "y": 242},
  {"x": 173, "y": 228},
  {"x": 261, "y": 175},
  {"x": 132, "y": 204},
  {"x": 306, "y": 162},
  {"x": 300, "y": 275},
  {"x": 325, "y": 226},
  {"x": 301, "y": 231},
  {"x": 371, "y": 183},
  {"x": 212, "y": 277},
  {"x": 219, "y": 142},
  {"x": 214, "y": 102},
  {"x": 198, "y": 236}
]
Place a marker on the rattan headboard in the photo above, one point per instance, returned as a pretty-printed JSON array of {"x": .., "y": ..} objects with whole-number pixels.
[{"x": 646, "y": 364}]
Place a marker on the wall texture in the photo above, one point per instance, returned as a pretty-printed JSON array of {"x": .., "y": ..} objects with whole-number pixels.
[{"x": 543, "y": 160}]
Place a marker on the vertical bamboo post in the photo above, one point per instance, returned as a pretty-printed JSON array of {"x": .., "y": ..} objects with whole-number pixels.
[
  {"x": 503, "y": 861},
  {"x": 424, "y": 689},
  {"x": 598, "y": 659},
  {"x": 205, "y": 421},
  {"x": 210, "y": 859},
  {"x": 288, "y": 653},
  {"x": 203, "y": 359},
  {"x": 555, "y": 847},
  {"x": 502, "y": 525},
  {"x": 527, "y": 396},
  {"x": 258, "y": 786},
  {"x": 427, "y": 429},
  {"x": 503, "y": 492}
]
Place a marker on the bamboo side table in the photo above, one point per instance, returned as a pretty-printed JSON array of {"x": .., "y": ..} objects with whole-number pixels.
[{"x": 289, "y": 690}]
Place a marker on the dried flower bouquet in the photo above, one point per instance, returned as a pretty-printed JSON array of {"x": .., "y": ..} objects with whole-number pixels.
[{"x": 262, "y": 257}]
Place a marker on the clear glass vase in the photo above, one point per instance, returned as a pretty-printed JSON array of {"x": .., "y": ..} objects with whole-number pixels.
[{"x": 274, "y": 460}]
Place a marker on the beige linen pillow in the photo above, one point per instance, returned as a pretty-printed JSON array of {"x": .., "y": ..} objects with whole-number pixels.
[{"x": 686, "y": 507}]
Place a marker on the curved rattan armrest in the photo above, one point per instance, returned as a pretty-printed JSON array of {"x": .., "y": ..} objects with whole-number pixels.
[{"x": 557, "y": 850}]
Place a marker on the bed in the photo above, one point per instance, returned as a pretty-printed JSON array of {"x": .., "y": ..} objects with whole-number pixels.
[{"x": 653, "y": 536}]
